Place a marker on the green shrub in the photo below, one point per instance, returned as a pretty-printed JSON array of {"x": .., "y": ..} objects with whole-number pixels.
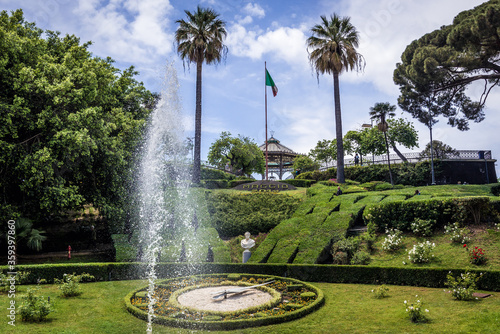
[
  {"x": 463, "y": 286},
  {"x": 307, "y": 295},
  {"x": 423, "y": 227},
  {"x": 381, "y": 291},
  {"x": 6, "y": 281},
  {"x": 415, "y": 311},
  {"x": 361, "y": 258},
  {"x": 393, "y": 241},
  {"x": 291, "y": 306},
  {"x": 70, "y": 284},
  {"x": 457, "y": 235},
  {"x": 495, "y": 189},
  {"x": 421, "y": 252},
  {"x": 34, "y": 308}
]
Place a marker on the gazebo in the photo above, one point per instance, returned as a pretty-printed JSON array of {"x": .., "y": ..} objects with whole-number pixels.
[{"x": 279, "y": 157}]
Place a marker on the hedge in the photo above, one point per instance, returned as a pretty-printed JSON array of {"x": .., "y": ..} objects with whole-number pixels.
[
  {"x": 400, "y": 214},
  {"x": 215, "y": 174},
  {"x": 425, "y": 277},
  {"x": 299, "y": 182},
  {"x": 214, "y": 184},
  {"x": 416, "y": 174}
]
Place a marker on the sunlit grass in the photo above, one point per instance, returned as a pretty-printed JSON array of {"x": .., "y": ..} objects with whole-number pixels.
[{"x": 349, "y": 308}]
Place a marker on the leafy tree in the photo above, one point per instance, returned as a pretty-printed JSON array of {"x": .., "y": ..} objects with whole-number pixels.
[
  {"x": 332, "y": 50},
  {"x": 381, "y": 111},
  {"x": 372, "y": 141},
  {"x": 200, "y": 39},
  {"x": 324, "y": 151},
  {"x": 440, "y": 149},
  {"x": 69, "y": 124},
  {"x": 241, "y": 153},
  {"x": 401, "y": 132},
  {"x": 303, "y": 163},
  {"x": 443, "y": 63}
]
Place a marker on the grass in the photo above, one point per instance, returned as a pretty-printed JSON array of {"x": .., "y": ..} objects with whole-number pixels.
[
  {"x": 446, "y": 253},
  {"x": 349, "y": 308}
]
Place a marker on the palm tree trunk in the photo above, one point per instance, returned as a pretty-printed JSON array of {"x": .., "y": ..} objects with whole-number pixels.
[
  {"x": 400, "y": 155},
  {"x": 388, "y": 159},
  {"x": 338, "y": 127},
  {"x": 197, "y": 128}
]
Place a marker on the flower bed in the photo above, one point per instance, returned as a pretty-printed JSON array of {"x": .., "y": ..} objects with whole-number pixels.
[{"x": 288, "y": 302}]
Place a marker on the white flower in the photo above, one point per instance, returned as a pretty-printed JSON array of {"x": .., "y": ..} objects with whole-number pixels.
[
  {"x": 405, "y": 301},
  {"x": 426, "y": 310}
]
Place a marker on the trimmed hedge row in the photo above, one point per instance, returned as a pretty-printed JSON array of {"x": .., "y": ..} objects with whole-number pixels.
[
  {"x": 400, "y": 214},
  {"x": 426, "y": 277},
  {"x": 299, "y": 182}
]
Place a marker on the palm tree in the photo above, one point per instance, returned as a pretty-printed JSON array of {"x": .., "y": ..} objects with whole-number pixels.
[
  {"x": 200, "y": 39},
  {"x": 380, "y": 112},
  {"x": 332, "y": 50}
]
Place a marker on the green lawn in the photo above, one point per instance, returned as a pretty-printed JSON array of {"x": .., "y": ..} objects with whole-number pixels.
[
  {"x": 348, "y": 309},
  {"x": 446, "y": 253}
]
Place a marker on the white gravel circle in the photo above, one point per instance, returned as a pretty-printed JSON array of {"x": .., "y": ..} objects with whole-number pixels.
[{"x": 202, "y": 299}]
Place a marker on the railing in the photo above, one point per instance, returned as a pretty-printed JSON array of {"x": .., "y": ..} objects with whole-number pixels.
[{"x": 414, "y": 157}]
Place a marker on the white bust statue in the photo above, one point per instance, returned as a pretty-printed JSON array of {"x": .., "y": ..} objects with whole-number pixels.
[{"x": 247, "y": 243}]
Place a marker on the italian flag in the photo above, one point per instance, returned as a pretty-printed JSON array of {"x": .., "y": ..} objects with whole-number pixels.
[{"x": 270, "y": 82}]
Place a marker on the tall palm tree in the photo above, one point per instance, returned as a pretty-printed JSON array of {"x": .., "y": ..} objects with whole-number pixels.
[
  {"x": 200, "y": 39},
  {"x": 332, "y": 50},
  {"x": 381, "y": 111}
]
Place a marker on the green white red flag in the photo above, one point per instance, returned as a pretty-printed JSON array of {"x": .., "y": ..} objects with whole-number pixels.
[{"x": 270, "y": 82}]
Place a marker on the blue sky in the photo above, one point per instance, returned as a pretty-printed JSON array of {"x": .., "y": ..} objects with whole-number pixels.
[{"x": 140, "y": 33}]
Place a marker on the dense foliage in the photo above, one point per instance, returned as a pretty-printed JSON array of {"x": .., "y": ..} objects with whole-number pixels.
[
  {"x": 241, "y": 154},
  {"x": 69, "y": 123},
  {"x": 235, "y": 214},
  {"x": 436, "y": 69}
]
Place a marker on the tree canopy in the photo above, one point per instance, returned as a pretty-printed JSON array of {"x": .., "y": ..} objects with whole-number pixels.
[
  {"x": 241, "y": 153},
  {"x": 69, "y": 123},
  {"x": 440, "y": 150},
  {"x": 442, "y": 64}
]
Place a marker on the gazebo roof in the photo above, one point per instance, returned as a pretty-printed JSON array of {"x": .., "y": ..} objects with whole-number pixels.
[{"x": 274, "y": 147}]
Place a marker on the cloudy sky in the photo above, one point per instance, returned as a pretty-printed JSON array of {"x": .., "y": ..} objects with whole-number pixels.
[{"x": 140, "y": 33}]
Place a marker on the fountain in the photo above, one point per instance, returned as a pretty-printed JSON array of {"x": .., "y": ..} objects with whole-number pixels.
[
  {"x": 171, "y": 229},
  {"x": 163, "y": 178}
]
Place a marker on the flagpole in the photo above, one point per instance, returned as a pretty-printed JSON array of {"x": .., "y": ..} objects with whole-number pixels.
[{"x": 265, "y": 94}]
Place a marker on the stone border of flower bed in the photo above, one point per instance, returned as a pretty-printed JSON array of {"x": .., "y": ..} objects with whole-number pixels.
[{"x": 213, "y": 322}]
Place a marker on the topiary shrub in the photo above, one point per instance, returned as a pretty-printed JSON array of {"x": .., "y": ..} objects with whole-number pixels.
[{"x": 307, "y": 295}]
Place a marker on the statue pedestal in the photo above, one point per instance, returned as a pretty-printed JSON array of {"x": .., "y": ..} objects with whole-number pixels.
[{"x": 246, "y": 255}]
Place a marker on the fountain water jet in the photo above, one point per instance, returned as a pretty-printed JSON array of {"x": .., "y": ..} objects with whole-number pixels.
[{"x": 163, "y": 182}]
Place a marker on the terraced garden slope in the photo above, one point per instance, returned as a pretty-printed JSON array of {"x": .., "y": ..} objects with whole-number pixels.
[{"x": 325, "y": 218}]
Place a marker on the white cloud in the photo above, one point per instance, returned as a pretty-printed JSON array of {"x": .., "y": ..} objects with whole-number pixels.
[
  {"x": 286, "y": 44},
  {"x": 132, "y": 31},
  {"x": 254, "y": 10},
  {"x": 245, "y": 20}
]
